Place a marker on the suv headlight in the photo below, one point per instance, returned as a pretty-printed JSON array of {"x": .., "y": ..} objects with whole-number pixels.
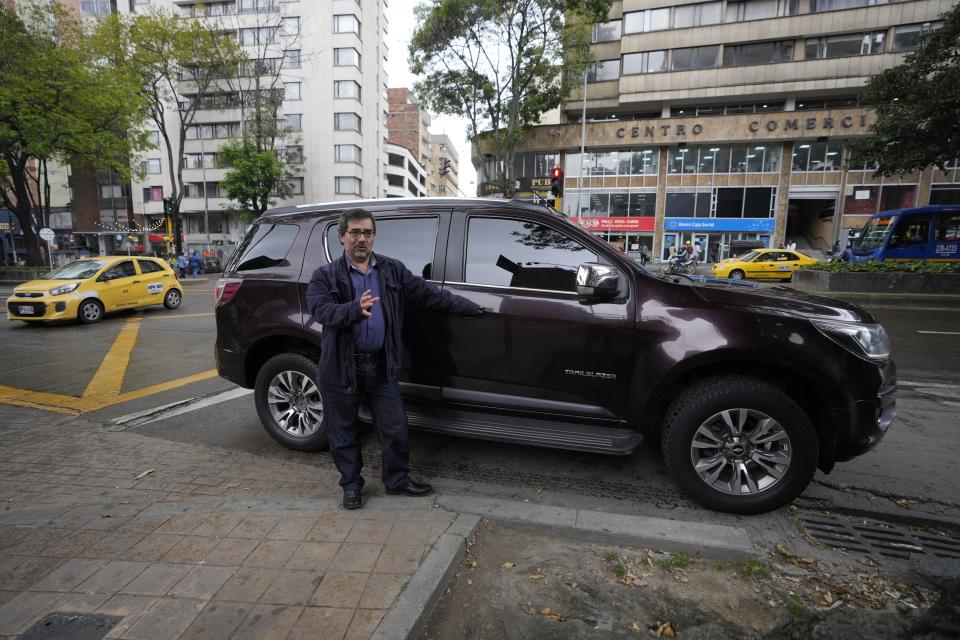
[
  {"x": 67, "y": 288},
  {"x": 865, "y": 340}
]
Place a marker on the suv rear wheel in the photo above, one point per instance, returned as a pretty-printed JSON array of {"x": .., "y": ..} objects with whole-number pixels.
[
  {"x": 739, "y": 445},
  {"x": 289, "y": 403}
]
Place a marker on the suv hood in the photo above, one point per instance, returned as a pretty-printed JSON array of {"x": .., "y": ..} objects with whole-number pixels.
[{"x": 780, "y": 300}]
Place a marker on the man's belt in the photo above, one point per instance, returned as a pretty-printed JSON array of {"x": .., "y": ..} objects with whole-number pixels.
[{"x": 367, "y": 357}]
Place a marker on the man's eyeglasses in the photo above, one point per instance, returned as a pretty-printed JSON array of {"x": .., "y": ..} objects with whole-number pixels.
[{"x": 366, "y": 233}]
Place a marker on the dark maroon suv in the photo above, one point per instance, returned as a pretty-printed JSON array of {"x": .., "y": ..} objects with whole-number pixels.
[{"x": 749, "y": 388}]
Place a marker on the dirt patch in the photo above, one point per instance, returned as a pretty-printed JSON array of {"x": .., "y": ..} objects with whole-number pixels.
[{"x": 524, "y": 583}]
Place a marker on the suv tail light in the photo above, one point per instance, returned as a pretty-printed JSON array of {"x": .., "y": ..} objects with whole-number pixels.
[{"x": 226, "y": 289}]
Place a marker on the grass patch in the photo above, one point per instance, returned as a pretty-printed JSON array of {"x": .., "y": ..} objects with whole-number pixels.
[
  {"x": 619, "y": 571},
  {"x": 679, "y": 560},
  {"x": 795, "y": 607},
  {"x": 611, "y": 556},
  {"x": 752, "y": 569},
  {"x": 719, "y": 566}
]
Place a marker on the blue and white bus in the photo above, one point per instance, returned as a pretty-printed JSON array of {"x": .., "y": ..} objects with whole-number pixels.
[{"x": 929, "y": 234}]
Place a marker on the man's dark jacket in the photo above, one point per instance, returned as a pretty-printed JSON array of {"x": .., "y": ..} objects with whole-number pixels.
[{"x": 332, "y": 302}]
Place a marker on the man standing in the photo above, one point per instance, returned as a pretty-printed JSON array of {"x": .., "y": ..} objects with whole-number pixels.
[{"x": 359, "y": 299}]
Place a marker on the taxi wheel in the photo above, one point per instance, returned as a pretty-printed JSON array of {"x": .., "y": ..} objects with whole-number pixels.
[
  {"x": 736, "y": 274},
  {"x": 90, "y": 311},
  {"x": 173, "y": 299}
]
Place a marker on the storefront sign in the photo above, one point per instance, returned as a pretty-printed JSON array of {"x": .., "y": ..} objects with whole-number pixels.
[
  {"x": 764, "y": 225},
  {"x": 614, "y": 223}
]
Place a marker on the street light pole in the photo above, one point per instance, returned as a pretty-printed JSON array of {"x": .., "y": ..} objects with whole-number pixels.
[
  {"x": 206, "y": 199},
  {"x": 583, "y": 143}
]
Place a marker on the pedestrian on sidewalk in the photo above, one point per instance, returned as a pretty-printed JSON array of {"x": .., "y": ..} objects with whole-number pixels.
[
  {"x": 195, "y": 264},
  {"x": 360, "y": 299},
  {"x": 182, "y": 266}
]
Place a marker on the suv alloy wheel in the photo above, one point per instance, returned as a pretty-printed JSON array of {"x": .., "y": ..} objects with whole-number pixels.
[
  {"x": 740, "y": 445},
  {"x": 289, "y": 403}
]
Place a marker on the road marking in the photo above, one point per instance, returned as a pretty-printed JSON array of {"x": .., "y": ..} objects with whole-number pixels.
[
  {"x": 104, "y": 389},
  {"x": 178, "y": 408},
  {"x": 942, "y": 333},
  {"x": 182, "y": 315}
]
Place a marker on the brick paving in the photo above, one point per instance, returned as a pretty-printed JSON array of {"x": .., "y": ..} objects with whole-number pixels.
[{"x": 209, "y": 544}]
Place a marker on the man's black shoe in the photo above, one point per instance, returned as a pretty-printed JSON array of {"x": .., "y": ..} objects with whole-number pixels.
[
  {"x": 351, "y": 499},
  {"x": 411, "y": 488}
]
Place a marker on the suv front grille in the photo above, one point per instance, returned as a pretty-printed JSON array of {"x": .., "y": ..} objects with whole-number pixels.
[{"x": 27, "y": 294}]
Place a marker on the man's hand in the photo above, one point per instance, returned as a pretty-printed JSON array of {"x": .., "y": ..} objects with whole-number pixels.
[
  {"x": 366, "y": 302},
  {"x": 480, "y": 311}
]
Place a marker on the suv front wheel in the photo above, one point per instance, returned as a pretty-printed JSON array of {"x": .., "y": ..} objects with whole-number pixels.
[
  {"x": 740, "y": 445},
  {"x": 289, "y": 403}
]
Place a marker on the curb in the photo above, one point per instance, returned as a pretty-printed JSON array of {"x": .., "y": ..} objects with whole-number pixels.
[
  {"x": 409, "y": 613},
  {"x": 902, "y": 300},
  {"x": 723, "y": 542}
]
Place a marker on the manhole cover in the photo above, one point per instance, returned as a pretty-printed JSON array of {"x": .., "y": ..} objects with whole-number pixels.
[
  {"x": 76, "y": 626},
  {"x": 883, "y": 539}
]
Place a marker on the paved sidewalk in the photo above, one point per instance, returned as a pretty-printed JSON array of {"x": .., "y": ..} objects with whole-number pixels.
[{"x": 172, "y": 541}]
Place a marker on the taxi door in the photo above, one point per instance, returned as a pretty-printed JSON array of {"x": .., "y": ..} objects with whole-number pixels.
[
  {"x": 154, "y": 281},
  {"x": 119, "y": 287},
  {"x": 763, "y": 266}
]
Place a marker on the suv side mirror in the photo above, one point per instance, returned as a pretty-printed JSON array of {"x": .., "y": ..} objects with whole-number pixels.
[{"x": 595, "y": 280}]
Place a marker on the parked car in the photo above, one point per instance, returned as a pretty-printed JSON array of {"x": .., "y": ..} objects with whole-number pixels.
[
  {"x": 750, "y": 389},
  {"x": 88, "y": 288},
  {"x": 763, "y": 264}
]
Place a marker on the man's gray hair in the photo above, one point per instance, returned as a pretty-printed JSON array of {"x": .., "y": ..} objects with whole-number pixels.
[{"x": 354, "y": 215}]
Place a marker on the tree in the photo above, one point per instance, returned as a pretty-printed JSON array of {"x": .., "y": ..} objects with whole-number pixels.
[
  {"x": 61, "y": 99},
  {"x": 501, "y": 64},
  {"x": 256, "y": 177},
  {"x": 182, "y": 65},
  {"x": 917, "y": 105}
]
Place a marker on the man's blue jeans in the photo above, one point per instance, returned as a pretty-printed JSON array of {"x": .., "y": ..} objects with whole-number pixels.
[{"x": 390, "y": 419}]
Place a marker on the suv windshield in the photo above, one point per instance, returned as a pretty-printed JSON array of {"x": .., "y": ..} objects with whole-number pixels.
[
  {"x": 78, "y": 270},
  {"x": 873, "y": 235}
]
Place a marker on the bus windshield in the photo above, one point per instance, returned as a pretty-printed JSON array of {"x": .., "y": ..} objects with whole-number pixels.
[{"x": 874, "y": 234}]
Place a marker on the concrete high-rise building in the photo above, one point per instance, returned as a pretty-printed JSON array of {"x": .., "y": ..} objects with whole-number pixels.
[
  {"x": 444, "y": 180},
  {"x": 727, "y": 123}
]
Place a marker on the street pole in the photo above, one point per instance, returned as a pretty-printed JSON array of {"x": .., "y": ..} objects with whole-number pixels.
[
  {"x": 206, "y": 199},
  {"x": 583, "y": 143}
]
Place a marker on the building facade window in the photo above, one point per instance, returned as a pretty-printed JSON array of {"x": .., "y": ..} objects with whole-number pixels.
[
  {"x": 294, "y": 121},
  {"x": 721, "y": 202},
  {"x": 151, "y": 165},
  {"x": 293, "y": 154},
  {"x": 346, "y": 23},
  {"x": 257, "y": 35},
  {"x": 200, "y": 161},
  {"x": 347, "y": 153},
  {"x": 346, "y": 121},
  {"x": 290, "y": 26},
  {"x": 606, "y": 31},
  {"x": 761, "y": 9},
  {"x": 348, "y": 185},
  {"x": 217, "y": 131},
  {"x": 95, "y": 8},
  {"x": 291, "y": 59},
  {"x": 633, "y": 162},
  {"x": 692, "y": 58},
  {"x": 346, "y": 89},
  {"x": 152, "y": 194},
  {"x": 346, "y": 57},
  {"x": 696, "y": 15},
  {"x": 644, "y": 62},
  {"x": 836, "y": 5},
  {"x": 648, "y": 20},
  {"x": 817, "y": 156},
  {"x": 153, "y": 139},
  {"x": 743, "y": 55},
  {"x": 296, "y": 186},
  {"x": 603, "y": 70},
  {"x": 909, "y": 37},
  {"x": 291, "y": 90},
  {"x": 848, "y": 44},
  {"x": 255, "y": 6},
  {"x": 724, "y": 158}
]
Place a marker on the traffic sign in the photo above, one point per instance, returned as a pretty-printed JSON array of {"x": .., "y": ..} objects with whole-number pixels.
[{"x": 47, "y": 234}]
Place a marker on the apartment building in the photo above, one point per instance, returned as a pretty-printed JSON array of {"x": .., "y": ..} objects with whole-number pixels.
[
  {"x": 445, "y": 178},
  {"x": 727, "y": 123},
  {"x": 405, "y": 177}
]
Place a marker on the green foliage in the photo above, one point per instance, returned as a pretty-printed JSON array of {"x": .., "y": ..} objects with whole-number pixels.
[
  {"x": 795, "y": 607},
  {"x": 63, "y": 97},
  {"x": 255, "y": 179},
  {"x": 501, "y": 64},
  {"x": 752, "y": 569},
  {"x": 611, "y": 556},
  {"x": 918, "y": 106},
  {"x": 876, "y": 266},
  {"x": 679, "y": 560},
  {"x": 619, "y": 570},
  {"x": 719, "y": 565}
]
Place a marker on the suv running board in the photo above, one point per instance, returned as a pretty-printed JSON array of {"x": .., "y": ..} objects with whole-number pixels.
[{"x": 541, "y": 433}]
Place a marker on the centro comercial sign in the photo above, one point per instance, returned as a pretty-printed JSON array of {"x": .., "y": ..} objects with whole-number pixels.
[{"x": 817, "y": 124}]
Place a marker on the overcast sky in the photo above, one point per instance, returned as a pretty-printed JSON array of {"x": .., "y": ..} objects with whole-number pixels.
[{"x": 401, "y": 24}]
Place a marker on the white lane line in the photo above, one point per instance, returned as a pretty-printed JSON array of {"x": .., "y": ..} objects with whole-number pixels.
[
  {"x": 177, "y": 408},
  {"x": 942, "y": 333}
]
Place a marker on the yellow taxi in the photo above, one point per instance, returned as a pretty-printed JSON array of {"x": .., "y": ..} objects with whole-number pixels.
[
  {"x": 88, "y": 288},
  {"x": 762, "y": 264}
]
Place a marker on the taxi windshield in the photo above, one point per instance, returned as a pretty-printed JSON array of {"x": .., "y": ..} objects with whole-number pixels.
[
  {"x": 873, "y": 235},
  {"x": 749, "y": 257},
  {"x": 77, "y": 270}
]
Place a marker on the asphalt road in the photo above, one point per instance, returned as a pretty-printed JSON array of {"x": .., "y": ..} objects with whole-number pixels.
[{"x": 171, "y": 360}]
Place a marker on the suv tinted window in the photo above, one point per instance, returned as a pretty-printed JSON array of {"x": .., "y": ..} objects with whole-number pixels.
[
  {"x": 513, "y": 253},
  {"x": 148, "y": 266},
  {"x": 265, "y": 246},
  {"x": 412, "y": 241}
]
